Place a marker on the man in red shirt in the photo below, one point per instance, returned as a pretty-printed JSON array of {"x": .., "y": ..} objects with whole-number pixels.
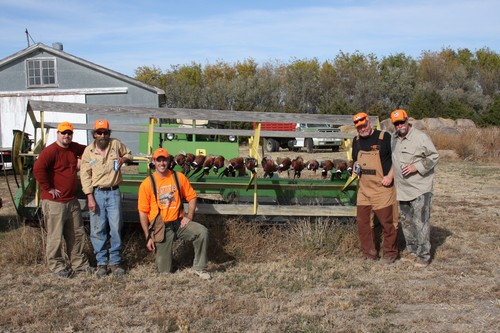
[{"x": 55, "y": 170}]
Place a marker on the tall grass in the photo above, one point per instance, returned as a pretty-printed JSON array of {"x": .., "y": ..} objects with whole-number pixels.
[
  {"x": 231, "y": 239},
  {"x": 472, "y": 144}
]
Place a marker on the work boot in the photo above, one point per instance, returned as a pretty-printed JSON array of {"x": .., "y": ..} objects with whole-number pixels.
[
  {"x": 202, "y": 274},
  {"x": 65, "y": 273},
  {"x": 102, "y": 271},
  {"x": 117, "y": 271}
]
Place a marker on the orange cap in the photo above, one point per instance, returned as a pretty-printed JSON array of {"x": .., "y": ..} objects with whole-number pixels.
[
  {"x": 65, "y": 126},
  {"x": 101, "y": 124},
  {"x": 398, "y": 115},
  {"x": 360, "y": 119},
  {"x": 160, "y": 152}
]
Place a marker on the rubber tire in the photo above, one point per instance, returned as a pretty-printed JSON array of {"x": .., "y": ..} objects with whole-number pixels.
[
  {"x": 308, "y": 143},
  {"x": 271, "y": 145}
]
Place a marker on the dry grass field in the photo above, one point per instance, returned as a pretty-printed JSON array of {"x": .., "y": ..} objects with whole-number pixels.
[{"x": 306, "y": 276}]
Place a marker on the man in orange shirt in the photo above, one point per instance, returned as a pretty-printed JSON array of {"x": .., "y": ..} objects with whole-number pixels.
[{"x": 160, "y": 200}]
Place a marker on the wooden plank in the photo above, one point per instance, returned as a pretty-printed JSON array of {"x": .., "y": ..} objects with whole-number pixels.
[
  {"x": 176, "y": 113},
  {"x": 212, "y": 131},
  {"x": 274, "y": 210}
]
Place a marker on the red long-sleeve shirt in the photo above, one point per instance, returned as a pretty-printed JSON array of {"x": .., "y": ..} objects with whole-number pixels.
[{"x": 56, "y": 167}]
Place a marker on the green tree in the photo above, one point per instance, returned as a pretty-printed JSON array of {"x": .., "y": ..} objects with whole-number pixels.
[
  {"x": 426, "y": 104},
  {"x": 398, "y": 73},
  {"x": 492, "y": 115}
]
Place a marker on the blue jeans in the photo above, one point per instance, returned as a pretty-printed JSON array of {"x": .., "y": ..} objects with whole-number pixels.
[{"x": 108, "y": 214}]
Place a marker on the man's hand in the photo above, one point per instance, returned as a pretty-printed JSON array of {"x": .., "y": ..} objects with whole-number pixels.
[
  {"x": 55, "y": 193},
  {"x": 91, "y": 203},
  {"x": 185, "y": 220},
  {"x": 387, "y": 181},
  {"x": 408, "y": 169},
  {"x": 150, "y": 245}
]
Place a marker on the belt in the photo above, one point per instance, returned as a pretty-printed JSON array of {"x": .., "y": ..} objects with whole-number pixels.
[
  {"x": 368, "y": 172},
  {"x": 112, "y": 188}
]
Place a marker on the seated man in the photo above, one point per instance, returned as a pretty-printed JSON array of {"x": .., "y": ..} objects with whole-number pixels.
[{"x": 161, "y": 212}]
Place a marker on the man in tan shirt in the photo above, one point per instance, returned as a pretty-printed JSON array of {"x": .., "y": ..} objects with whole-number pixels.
[
  {"x": 100, "y": 176},
  {"x": 414, "y": 158}
]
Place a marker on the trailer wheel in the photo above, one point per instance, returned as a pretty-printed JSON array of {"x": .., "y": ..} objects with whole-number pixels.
[
  {"x": 271, "y": 145},
  {"x": 308, "y": 143}
]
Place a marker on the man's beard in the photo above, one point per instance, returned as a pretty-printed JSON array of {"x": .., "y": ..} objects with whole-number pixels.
[
  {"x": 102, "y": 143},
  {"x": 402, "y": 131}
]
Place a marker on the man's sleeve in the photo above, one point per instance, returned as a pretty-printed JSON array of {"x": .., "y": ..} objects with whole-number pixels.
[
  {"x": 42, "y": 164},
  {"x": 430, "y": 155},
  {"x": 86, "y": 172},
  {"x": 144, "y": 196},
  {"x": 125, "y": 152}
]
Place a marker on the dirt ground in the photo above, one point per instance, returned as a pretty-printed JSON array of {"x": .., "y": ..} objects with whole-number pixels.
[{"x": 458, "y": 292}]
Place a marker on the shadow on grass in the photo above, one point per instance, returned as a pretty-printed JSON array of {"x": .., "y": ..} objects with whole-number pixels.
[
  {"x": 9, "y": 222},
  {"x": 438, "y": 238}
]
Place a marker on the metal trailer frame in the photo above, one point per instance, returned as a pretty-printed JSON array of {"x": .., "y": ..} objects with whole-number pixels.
[{"x": 317, "y": 193}]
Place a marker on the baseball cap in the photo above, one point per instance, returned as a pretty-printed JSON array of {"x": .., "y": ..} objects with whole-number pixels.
[
  {"x": 65, "y": 126},
  {"x": 101, "y": 124},
  {"x": 398, "y": 115},
  {"x": 360, "y": 119},
  {"x": 160, "y": 152}
]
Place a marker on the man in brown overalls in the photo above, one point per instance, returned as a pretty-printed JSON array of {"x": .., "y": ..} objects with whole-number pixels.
[{"x": 371, "y": 150}]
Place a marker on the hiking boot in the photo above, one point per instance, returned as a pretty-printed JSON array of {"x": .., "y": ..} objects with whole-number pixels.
[
  {"x": 202, "y": 274},
  {"x": 117, "y": 271},
  {"x": 65, "y": 273},
  {"x": 86, "y": 270},
  {"x": 421, "y": 263},
  {"x": 102, "y": 271}
]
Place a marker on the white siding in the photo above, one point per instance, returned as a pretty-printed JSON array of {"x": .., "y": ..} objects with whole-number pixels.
[{"x": 13, "y": 114}]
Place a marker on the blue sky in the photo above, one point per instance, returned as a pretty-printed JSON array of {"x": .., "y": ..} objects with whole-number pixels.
[{"x": 123, "y": 35}]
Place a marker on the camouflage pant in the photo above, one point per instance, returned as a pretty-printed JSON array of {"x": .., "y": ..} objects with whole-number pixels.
[{"x": 414, "y": 218}]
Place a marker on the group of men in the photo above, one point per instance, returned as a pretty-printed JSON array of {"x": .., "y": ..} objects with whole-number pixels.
[
  {"x": 99, "y": 165},
  {"x": 395, "y": 188},
  {"x": 396, "y": 175}
]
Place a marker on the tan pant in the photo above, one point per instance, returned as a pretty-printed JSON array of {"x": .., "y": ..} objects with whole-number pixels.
[{"x": 64, "y": 220}]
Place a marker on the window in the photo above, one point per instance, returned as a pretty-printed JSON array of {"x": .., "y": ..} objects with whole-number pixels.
[{"x": 41, "y": 72}]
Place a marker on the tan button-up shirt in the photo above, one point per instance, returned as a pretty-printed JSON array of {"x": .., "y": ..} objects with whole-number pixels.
[
  {"x": 98, "y": 170},
  {"x": 415, "y": 148}
]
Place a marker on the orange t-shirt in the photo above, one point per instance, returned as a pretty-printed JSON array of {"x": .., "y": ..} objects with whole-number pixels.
[{"x": 167, "y": 194}]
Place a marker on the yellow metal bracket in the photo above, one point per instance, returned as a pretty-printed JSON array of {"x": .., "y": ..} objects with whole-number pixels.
[
  {"x": 151, "y": 128},
  {"x": 254, "y": 152}
]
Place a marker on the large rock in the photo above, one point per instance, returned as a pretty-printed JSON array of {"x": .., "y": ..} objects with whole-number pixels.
[
  {"x": 449, "y": 130},
  {"x": 433, "y": 123},
  {"x": 418, "y": 124},
  {"x": 386, "y": 125},
  {"x": 448, "y": 122},
  {"x": 465, "y": 123}
]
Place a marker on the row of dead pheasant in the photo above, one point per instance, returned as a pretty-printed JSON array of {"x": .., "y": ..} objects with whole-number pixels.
[{"x": 238, "y": 166}]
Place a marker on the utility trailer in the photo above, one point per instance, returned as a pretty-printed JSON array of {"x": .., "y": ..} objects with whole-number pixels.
[
  {"x": 250, "y": 195},
  {"x": 273, "y": 144}
]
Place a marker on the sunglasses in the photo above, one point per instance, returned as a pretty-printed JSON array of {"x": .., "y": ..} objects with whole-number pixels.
[
  {"x": 397, "y": 123},
  {"x": 102, "y": 132},
  {"x": 359, "y": 120},
  {"x": 66, "y": 133}
]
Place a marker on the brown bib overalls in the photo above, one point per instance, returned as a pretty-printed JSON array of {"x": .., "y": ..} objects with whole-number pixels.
[{"x": 373, "y": 197}]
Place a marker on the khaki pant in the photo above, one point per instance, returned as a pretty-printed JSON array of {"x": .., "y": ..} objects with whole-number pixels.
[
  {"x": 64, "y": 220},
  {"x": 193, "y": 231}
]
